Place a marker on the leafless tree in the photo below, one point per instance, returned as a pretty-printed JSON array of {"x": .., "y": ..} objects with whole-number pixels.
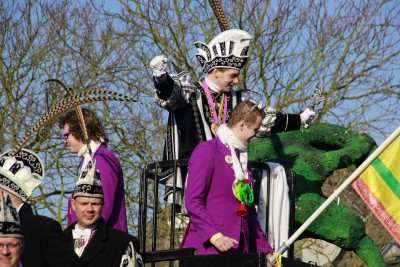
[{"x": 351, "y": 48}]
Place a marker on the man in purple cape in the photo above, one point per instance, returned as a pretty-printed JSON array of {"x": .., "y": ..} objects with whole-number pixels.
[{"x": 222, "y": 218}]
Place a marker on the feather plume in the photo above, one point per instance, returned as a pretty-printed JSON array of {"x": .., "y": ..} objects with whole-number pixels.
[
  {"x": 220, "y": 14},
  {"x": 69, "y": 102}
]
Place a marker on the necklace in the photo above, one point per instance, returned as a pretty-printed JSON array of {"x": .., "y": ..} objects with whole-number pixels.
[
  {"x": 220, "y": 117},
  {"x": 79, "y": 242}
]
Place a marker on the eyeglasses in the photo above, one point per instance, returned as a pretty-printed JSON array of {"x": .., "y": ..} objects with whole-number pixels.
[
  {"x": 9, "y": 246},
  {"x": 65, "y": 135}
]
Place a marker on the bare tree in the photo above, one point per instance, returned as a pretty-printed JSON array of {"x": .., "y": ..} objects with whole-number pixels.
[
  {"x": 77, "y": 45},
  {"x": 352, "y": 49}
]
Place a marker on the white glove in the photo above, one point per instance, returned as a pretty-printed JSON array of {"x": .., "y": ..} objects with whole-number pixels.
[
  {"x": 306, "y": 115},
  {"x": 159, "y": 65},
  {"x": 267, "y": 122}
]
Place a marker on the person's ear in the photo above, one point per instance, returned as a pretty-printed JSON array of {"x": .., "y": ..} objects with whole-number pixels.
[
  {"x": 73, "y": 204},
  {"x": 216, "y": 73}
]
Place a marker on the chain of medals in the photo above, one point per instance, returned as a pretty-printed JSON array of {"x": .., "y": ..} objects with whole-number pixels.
[
  {"x": 80, "y": 242},
  {"x": 220, "y": 117}
]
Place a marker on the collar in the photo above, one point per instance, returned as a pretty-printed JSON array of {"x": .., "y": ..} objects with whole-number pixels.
[
  {"x": 93, "y": 145},
  {"x": 81, "y": 234},
  {"x": 240, "y": 161},
  {"x": 85, "y": 157},
  {"x": 85, "y": 233},
  {"x": 229, "y": 139},
  {"x": 213, "y": 87}
]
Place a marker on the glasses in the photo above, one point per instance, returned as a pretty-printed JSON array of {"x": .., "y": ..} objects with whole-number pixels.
[
  {"x": 65, "y": 135},
  {"x": 9, "y": 246}
]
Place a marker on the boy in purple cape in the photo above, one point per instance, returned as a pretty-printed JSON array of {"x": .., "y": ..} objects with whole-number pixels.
[
  {"x": 222, "y": 217},
  {"x": 114, "y": 210}
]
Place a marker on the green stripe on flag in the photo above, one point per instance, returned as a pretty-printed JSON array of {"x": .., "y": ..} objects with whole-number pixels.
[{"x": 387, "y": 176}]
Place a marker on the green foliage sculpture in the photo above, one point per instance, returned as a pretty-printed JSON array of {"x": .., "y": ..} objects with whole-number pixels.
[{"x": 313, "y": 154}]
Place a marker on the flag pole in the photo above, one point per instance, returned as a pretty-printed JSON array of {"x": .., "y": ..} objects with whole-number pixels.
[{"x": 285, "y": 246}]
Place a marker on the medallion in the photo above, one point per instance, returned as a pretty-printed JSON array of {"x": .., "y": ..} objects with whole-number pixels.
[
  {"x": 228, "y": 159},
  {"x": 79, "y": 242}
]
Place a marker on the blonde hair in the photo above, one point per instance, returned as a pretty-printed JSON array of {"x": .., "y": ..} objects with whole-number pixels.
[{"x": 247, "y": 111}]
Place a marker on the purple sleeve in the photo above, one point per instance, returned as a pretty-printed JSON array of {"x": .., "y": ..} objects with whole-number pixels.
[
  {"x": 200, "y": 173},
  {"x": 109, "y": 173}
]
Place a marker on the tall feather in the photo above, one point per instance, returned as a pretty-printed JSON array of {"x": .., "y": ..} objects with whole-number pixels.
[
  {"x": 69, "y": 102},
  {"x": 220, "y": 14},
  {"x": 79, "y": 114}
]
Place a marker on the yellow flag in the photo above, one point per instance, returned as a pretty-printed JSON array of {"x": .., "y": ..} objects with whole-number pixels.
[{"x": 379, "y": 187}]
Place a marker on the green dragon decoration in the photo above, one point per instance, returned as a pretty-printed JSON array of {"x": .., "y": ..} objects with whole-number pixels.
[{"x": 313, "y": 154}]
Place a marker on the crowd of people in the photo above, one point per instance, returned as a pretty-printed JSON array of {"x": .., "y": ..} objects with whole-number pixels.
[{"x": 209, "y": 123}]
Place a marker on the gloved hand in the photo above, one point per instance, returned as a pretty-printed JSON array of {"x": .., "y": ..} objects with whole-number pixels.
[
  {"x": 267, "y": 122},
  {"x": 307, "y": 115},
  {"x": 159, "y": 65}
]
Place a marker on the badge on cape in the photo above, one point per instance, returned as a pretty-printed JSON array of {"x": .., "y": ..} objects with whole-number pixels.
[{"x": 228, "y": 159}]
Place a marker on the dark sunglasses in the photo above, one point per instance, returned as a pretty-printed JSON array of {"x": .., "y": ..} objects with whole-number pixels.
[{"x": 65, "y": 135}]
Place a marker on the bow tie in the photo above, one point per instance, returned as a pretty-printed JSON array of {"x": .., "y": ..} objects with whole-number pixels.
[{"x": 81, "y": 234}]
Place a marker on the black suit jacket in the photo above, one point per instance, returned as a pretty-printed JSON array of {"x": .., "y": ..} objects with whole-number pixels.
[
  {"x": 45, "y": 243},
  {"x": 106, "y": 247}
]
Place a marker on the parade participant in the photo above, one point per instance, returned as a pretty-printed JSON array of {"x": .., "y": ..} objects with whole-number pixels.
[
  {"x": 197, "y": 109},
  {"x": 45, "y": 243},
  {"x": 11, "y": 238},
  {"x": 219, "y": 194},
  {"x": 93, "y": 241},
  {"x": 114, "y": 211}
]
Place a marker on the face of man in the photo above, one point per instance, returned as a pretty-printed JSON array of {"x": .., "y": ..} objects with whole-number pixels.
[
  {"x": 70, "y": 140},
  {"x": 88, "y": 210},
  {"x": 248, "y": 130},
  {"x": 226, "y": 79},
  {"x": 10, "y": 251}
]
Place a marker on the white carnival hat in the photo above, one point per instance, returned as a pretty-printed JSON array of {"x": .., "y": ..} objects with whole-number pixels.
[
  {"x": 89, "y": 183},
  {"x": 228, "y": 49},
  {"x": 9, "y": 223},
  {"x": 21, "y": 174}
]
